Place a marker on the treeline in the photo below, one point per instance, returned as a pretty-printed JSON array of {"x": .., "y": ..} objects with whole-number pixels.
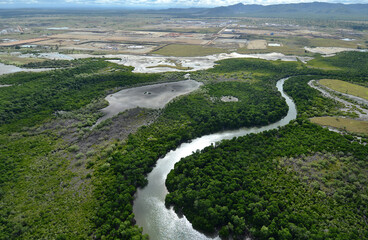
[
  {"x": 240, "y": 188},
  {"x": 184, "y": 119},
  {"x": 54, "y": 64},
  {"x": 275, "y": 69},
  {"x": 356, "y": 62},
  {"x": 354, "y": 67},
  {"x": 60, "y": 63},
  {"x": 36, "y": 96},
  {"x": 208, "y": 113},
  {"x": 309, "y": 101},
  {"x": 249, "y": 186}
]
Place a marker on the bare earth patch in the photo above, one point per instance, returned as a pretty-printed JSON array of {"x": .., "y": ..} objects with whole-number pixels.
[
  {"x": 257, "y": 44},
  {"x": 330, "y": 50},
  {"x": 229, "y": 99}
]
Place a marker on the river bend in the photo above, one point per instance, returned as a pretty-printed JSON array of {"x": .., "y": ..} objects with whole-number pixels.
[{"x": 149, "y": 208}]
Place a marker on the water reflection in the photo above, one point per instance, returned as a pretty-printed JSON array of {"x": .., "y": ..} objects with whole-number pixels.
[{"x": 149, "y": 208}]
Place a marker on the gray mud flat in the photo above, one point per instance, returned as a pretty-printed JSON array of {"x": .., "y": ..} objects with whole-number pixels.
[
  {"x": 151, "y": 96},
  {"x": 6, "y": 69}
]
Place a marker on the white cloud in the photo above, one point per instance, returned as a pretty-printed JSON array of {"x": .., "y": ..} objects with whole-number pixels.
[
  {"x": 209, "y": 2},
  {"x": 166, "y": 3}
]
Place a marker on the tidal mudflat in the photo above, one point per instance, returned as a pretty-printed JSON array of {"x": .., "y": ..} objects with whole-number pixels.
[
  {"x": 6, "y": 69},
  {"x": 151, "y": 96}
]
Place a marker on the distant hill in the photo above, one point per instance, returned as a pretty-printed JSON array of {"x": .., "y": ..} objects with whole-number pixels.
[
  {"x": 315, "y": 10},
  {"x": 296, "y": 10}
]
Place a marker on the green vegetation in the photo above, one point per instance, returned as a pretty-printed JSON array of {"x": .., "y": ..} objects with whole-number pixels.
[
  {"x": 351, "y": 62},
  {"x": 246, "y": 187},
  {"x": 46, "y": 189},
  {"x": 42, "y": 196},
  {"x": 36, "y": 96},
  {"x": 239, "y": 187},
  {"x": 344, "y": 124},
  {"x": 249, "y": 186},
  {"x": 327, "y": 42},
  {"x": 308, "y": 100},
  {"x": 86, "y": 187},
  {"x": 67, "y": 161},
  {"x": 345, "y": 87},
  {"x": 184, "y": 119},
  {"x": 13, "y": 60},
  {"x": 54, "y": 64},
  {"x": 319, "y": 63},
  {"x": 269, "y": 69}
]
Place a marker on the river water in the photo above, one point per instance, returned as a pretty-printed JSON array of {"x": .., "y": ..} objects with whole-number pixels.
[{"x": 149, "y": 208}]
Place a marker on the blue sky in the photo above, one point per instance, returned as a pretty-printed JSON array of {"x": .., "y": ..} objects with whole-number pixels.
[{"x": 150, "y": 3}]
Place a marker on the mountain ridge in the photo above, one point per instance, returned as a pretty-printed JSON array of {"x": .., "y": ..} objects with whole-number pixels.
[{"x": 294, "y": 10}]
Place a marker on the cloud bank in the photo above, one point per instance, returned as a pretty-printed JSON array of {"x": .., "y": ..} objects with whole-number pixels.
[{"x": 156, "y": 3}]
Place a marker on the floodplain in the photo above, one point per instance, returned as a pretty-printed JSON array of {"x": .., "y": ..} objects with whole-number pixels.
[{"x": 91, "y": 99}]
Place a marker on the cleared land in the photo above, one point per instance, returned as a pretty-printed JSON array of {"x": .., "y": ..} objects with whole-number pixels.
[
  {"x": 14, "y": 60},
  {"x": 346, "y": 124},
  {"x": 179, "y": 50},
  {"x": 345, "y": 87},
  {"x": 179, "y": 67},
  {"x": 328, "y": 50},
  {"x": 15, "y": 43},
  {"x": 143, "y": 34},
  {"x": 155, "y": 64},
  {"x": 257, "y": 44}
]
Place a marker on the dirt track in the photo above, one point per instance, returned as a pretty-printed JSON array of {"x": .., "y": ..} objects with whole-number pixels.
[{"x": 362, "y": 113}]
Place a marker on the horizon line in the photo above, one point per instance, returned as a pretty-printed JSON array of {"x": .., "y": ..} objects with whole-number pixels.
[{"x": 144, "y": 7}]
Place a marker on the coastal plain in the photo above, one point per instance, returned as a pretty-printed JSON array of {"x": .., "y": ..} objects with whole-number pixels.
[{"x": 93, "y": 101}]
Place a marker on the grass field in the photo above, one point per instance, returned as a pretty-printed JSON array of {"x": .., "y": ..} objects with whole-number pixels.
[
  {"x": 347, "y": 124},
  {"x": 179, "y": 50},
  {"x": 13, "y": 60},
  {"x": 287, "y": 50},
  {"x": 345, "y": 87},
  {"x": 327, "y": 42},
  {"x": 319, "y": 63},
  {"x": 184, "y": 30}
]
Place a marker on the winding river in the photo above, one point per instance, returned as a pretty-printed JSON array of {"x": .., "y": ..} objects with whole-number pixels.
[{"x": 149, "y": 208}]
